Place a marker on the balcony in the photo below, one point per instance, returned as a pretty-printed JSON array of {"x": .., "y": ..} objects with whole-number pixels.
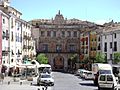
[
  {"x": 25, "y": 47},
  {"x": 25, "y": 37},
  {"x": 29, "y": 47}
]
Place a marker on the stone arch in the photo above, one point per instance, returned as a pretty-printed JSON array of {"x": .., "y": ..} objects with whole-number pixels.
[{"x": 59, "y": 63}]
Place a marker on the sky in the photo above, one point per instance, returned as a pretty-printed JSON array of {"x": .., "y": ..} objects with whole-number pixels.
[{"x": 98, "y": 11}]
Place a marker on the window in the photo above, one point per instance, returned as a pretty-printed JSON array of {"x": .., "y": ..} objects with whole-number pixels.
[
  {"x": 115, "y": 46},
  {"x": 110, "y": 56},
  {"x": 110, "y": 44},
  {"x": 115, "y": 35},
  {"x": 105, "y": 37},
  {"x": 99, "y": 47},
  {"x": 12, "y": 36},
  {"x": 12, "y": 52},
  {"x": 72, "y": 48},
  {"x": 11, "y": 60},
  {"x": 86, "y": 42},
  {"x": 63, "y": 33},
  {"x": 105, "y": 48},
  {"x": 11, "y": 22},
  {"x": 4, "y": 21},
  {"x": 16, "y": 37},
  {"x": 45, "y": 47},
  {"x": 102, "y": 78},
  {"x": 48, "y": 33},
  {"x": 3, "y": 62},
  {"x": 20, "y": 38},
  {"x": 42, "y": 33},
  {"x": 99, "y": 39},
  {"x": 68, "y": 33},
  {"x": 58, "y": 48},
  {"x": 75, "y": 34},
  {"x": 3, "y": 36},
  {"x": 54, "y": 33},
  {"x": 86, "y": 51},
  {"x": 109, "y": 78},
  {"x": 7, "y": 35}
]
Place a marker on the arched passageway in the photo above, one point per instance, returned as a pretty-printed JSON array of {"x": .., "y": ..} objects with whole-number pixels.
[{"x": 58, "y": 63}]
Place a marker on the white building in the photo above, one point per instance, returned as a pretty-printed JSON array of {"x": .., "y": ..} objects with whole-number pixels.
[
  {"x": 5, "y": 37},
  {"x": 111, "y": 41},
  {"x": 15, "y": 36},
  {"x": 17, "y": 41}
]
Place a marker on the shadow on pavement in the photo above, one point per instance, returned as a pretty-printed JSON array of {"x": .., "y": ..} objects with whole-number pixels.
[
  {"x": 87, "y": 84},
  {"x": 35, "y": 85}
]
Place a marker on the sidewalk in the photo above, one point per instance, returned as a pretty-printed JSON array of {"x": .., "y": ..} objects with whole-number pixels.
[{"x": 31, "y": 85}]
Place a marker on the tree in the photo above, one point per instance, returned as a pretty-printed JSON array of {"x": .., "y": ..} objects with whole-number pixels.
[
  {"x": 116, "y": 58},
  {"x": 100, "y": 58},
  {"x": 86, "y": 59},
  {"x": 42, "y": 59},
  {"x": 73, "y": 57}
]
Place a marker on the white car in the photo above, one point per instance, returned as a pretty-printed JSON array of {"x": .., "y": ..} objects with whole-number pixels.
[
  {"x": 89, "y": 75},
  {"x": 83, "y": 73},
  {"x": 45, "y": 79},
  {"x": 107, "y": 81},
  {"x": 77, "y": 73}
]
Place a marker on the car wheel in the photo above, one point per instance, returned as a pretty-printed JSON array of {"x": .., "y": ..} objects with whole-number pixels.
[
  {"x": 113, "y": 88},
  {"x": 38, "y": 84},
  {"x": 53, "y": 84},
  {"x": 99, "y": 88}
]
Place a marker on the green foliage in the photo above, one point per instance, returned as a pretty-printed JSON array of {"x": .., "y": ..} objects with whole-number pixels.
[
  {"x": 73, "y": 57},
  {"x": 42, "y": 59},
  {"x": 86, "y": 60},
  {"x": 116, "y": 57},
  {"x": 100, "y": 58}
]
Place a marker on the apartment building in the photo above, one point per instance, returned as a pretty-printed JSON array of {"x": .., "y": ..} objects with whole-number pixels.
[
  {"x": 5, "y": 37},
  {"x": 28, "y": 44},
  {"x": 111, "y": 40},
  {"x": 15, "y": 37}
]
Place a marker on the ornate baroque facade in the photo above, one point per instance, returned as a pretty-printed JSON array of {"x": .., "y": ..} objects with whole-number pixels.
[{"x": 58, "y": 38}]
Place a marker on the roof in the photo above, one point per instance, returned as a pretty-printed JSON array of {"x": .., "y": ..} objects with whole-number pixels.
[{"x": 44, "y": 65}]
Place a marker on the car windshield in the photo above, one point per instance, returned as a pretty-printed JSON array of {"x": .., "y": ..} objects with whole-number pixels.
[
  {"x": 105, "y": 72},
  {"x": 45, "y": 76},
  {"x": 109, "y": 78}
]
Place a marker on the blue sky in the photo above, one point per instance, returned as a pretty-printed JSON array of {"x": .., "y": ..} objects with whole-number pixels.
[{"x": 98, "y": 11}]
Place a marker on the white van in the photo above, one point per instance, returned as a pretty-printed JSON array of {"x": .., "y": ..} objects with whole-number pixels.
[
  {"x": 101, "y": 68},
  {"x": 107, "y": 81}
]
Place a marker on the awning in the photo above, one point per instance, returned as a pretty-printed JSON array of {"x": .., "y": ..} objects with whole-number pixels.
[
  {"x": 9, "y": 65},
  {"x": 26, "y": 66}
]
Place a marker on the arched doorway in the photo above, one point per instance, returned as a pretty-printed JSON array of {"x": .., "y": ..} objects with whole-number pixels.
[{"x": 59, "y": 63}]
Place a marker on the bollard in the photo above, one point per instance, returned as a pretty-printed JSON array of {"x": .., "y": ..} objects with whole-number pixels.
[
  {"x": 45, "y": 87},
  {"x": 38, "y": 89},
  {"x": 8, "y": 82},
  {"x": 42, "y": 88},
  {"x": 20, "y": 83}
]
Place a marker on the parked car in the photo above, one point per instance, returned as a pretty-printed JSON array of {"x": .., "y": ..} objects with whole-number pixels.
[
  {"x": 77, "y": 73},
  {"x": 107, "y": 81},
  {"x": 83, "y": 73},
  {"x": 45, "y": 79},
  {"x": 89, "y": 75}
]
